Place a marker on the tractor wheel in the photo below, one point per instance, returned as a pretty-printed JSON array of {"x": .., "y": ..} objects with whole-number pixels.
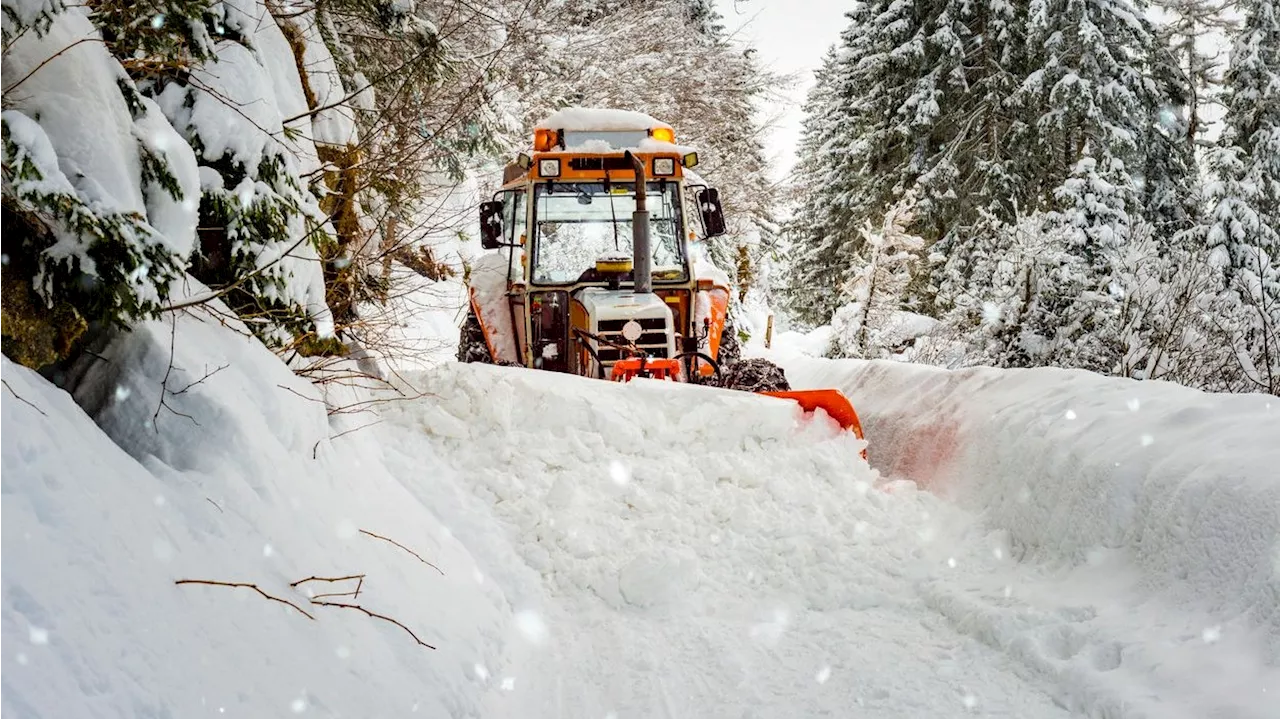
[
  {"x": 754, "y": 375},
  {"x": 730, "y": 349},
  {"x": 471, "y": 343}
]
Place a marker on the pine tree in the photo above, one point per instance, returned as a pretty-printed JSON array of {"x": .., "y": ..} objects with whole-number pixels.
[
  {"x": 814, "y": 241},
  {"x": 1244, "y": 225}
]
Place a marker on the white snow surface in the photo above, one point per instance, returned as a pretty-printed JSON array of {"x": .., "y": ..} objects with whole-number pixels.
[
  {"x": 582, "y": 119},
  {"x": 261, "y": 490},
  {"x": 1152, "y": 509}
]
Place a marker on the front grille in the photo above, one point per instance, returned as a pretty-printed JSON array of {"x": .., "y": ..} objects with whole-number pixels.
[
  {"x": 646, "y": 323},
  {"x": 652, "y": 342}
]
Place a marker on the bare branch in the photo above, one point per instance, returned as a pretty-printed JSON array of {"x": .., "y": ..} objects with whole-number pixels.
[
  {"x": 374, "y": 615},
  {"x": 410, "y": 551},
  {"x": 202, "y": 379},
  {"x": 21, "y": 399},
  {"x": 246, "y": 585},
  {"x": 325, "y": 579}
]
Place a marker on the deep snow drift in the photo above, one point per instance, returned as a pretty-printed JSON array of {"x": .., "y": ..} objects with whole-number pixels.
[{"x": 252, "y": 485}]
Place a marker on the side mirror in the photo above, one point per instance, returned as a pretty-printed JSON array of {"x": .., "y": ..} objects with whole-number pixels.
[
  {"x": 712, "y": 212},
  {"x": 491, "y": 225}
]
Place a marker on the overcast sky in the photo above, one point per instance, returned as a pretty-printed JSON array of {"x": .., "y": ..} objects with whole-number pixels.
[{"x": 791, "y": 36}]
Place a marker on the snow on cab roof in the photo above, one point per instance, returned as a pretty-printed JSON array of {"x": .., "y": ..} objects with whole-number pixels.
[{"x": 581, "y": 119}]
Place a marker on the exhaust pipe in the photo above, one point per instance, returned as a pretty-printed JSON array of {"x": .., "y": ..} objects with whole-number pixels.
[{"x": 642, "y": 265}]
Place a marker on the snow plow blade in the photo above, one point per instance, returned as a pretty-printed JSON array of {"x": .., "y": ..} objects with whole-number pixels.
[{"x": 832, "y": 401}]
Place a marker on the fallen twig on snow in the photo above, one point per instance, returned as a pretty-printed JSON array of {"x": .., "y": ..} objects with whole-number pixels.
[
  {"x": 410, "y": 551},
  {"x": 353, "y": 594},
  {"x": 246, "y": 585},
  {"x": 22, "y": 399},
  {"x": 374, "y": 615}
]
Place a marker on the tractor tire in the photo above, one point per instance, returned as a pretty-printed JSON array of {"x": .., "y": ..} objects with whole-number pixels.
[
  {"x": 753, "y": 375},
  {"x": 730, "y": 348},
  {"x": 471, "y": 343}
]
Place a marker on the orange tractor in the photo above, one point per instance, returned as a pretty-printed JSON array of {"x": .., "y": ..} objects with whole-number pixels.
[{"x": 599, "y": 270}]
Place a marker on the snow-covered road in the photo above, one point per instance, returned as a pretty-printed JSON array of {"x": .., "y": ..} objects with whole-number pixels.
[{"x": 698, "y": 553}]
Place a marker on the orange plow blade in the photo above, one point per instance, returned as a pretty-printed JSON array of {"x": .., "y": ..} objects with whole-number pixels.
[{"x": 832, "y": 401}]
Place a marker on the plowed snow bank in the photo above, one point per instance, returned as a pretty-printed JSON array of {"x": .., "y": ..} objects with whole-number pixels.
[{"x": 1184, "y": 483}]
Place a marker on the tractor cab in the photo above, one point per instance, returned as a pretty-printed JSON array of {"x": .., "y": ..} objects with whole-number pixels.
[{"x": 598, "y": 229}]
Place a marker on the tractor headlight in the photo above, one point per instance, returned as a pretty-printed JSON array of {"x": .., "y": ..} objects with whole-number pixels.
[
  {"x": 664, "y": 166},
  {"x": 549, "y": 168}
]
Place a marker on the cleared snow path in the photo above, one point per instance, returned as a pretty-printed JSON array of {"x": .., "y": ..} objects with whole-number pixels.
[{"x": 679, "y": 551}]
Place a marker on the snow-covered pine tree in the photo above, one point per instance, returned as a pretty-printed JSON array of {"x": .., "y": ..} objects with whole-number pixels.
[
  {"x": 976, "y": 178},
  {"x": 1244, "y": 224},
  {"x": 1092, "y": 107},
  {"x": 96, "y": 232},
  {"x": 814, "y": 240},
  {"x": 859, "y": 147}
]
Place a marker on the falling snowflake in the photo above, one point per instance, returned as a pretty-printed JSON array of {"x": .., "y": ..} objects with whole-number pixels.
[
  {"x": 481, "y": 672},
  {"x": 990, "y": 313},
  {"x": 508, "y": 684},
  {"x": 478, "y": 576},
  {"x": 970, "y": 701},
  {"x": 342, "y": 651},
  {"x": 1134, "y": 404},
  {"x": 1211, "y": 634},
  {"x": 823, "y": 674},
  {"x": 531, "y": 626},
  {"x": 1147, "y": 440},
  {"x": 157, "y": 22},
  {"x": 951, "y": 562},
  {"x": 1071, "y": 414},
  {"x": 161, "y": 549},
  {"x": 998, "y": 552},
  {"x": 619, "y": 473},
  {"x": 267, "y": 551},
  {"x": 122, "y": 393},
  {"x": 1008, "y": 591},
  {"x": 297, "y": 706}
]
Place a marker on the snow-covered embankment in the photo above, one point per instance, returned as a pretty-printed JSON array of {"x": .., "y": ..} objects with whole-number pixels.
[
  {"x": 1153, "y": 492},
  {"x": 241, "y": 476}
]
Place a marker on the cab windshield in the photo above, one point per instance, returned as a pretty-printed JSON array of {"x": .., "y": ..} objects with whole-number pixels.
[{"x": 576, "y": 223}]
